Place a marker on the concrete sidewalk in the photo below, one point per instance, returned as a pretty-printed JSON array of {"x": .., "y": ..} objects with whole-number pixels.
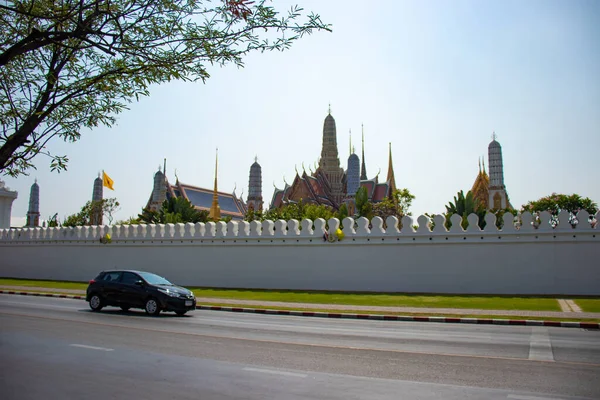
[{"x": 347, "y": 307}]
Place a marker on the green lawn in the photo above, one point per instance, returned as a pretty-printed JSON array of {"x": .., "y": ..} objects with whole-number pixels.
[
  {"x": 44, "y": 284},
  {"x": 588, "y": 305},
  {"x": 388, "y": 300},
  {"x": 359, "y": 299}
]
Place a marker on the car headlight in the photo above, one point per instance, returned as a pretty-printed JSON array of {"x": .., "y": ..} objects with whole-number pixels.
[{"x": 168, "y": 292}]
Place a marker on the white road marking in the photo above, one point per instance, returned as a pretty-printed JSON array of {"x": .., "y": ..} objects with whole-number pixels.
[
  {"x": 540, "y": 348},
  {"x": 270, "y": 371},
  {"x": 573, "y": 305},
  {"x": 564, "y": 306},
  {"x": 84, "y": 346},
  {"x": 520, "y": 397}
]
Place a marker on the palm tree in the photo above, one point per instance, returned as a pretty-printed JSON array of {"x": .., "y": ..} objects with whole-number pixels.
[{"x": 464, "y": 206}]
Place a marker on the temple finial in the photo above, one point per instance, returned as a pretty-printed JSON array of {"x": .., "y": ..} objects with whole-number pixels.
[
  {"x": 494, "y": 136},
  {"x": 256, "y": 158},
  {"x": 363, "y": 169},
  {"x": 483, "y": 162},
  {"x": 479, "y": 162},
  {"x": 391, "y": 178},
  {"x": 329, "y": 108},
  {"x": 350, "y": 138},
  {"x": 215, "y": 211},
  {"x": 165, "y": 167}
]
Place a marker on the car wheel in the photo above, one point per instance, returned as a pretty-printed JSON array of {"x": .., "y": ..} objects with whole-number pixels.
[
  {"x": 152, "y": 306},
  {"x": 180, "y": 313},
  {"x": 125, "y": 308},
  {"x": 96, "y": 303}
]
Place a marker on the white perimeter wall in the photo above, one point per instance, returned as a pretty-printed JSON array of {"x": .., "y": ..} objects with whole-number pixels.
[{"x": 563, "y": 260}]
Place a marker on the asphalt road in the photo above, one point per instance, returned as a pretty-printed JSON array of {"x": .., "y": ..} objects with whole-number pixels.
[{"x": 58, "y": 349}]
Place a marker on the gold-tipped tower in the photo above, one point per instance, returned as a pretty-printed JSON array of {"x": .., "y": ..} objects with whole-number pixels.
[{"x": 215, "y": 211}]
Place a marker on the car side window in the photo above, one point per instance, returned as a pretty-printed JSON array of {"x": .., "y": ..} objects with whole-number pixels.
[
  {"x": 129, "y": 278},
  {"x": 111, "y": 276}
]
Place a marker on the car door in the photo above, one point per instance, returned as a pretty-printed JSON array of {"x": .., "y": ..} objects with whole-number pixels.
[
  {"x": 131, "y": 293},
  {"x": 109, "y": 286}
]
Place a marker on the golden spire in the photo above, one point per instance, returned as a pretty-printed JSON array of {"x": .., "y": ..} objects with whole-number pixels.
[
  {"x": 390, "y": 176},
  {"x": 215, "y": 210}
]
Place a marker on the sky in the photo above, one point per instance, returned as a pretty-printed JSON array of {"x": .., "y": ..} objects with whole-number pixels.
[{"x": 435, "y": 78}]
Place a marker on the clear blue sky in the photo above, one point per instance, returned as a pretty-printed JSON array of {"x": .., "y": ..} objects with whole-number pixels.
[{"x": 435, "y": 78}]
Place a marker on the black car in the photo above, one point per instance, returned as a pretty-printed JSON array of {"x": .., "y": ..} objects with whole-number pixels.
[{"x": 138, "y": 289}]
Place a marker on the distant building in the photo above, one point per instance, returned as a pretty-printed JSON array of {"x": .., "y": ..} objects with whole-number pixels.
[
  {"x": 7, "y": 197},
  {"x": 330, "y": 185},
  {"x": 201, "y": 198},
  {"x": 255, "y": 199},
  {"x": 33, "y": 214},
  {"x": 97, "y": 197},
  {"x": 490, "y": 190}
]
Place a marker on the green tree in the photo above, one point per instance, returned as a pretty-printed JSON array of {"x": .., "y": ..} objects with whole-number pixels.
[
  {"x": 342, "y": 212},
  {"x": 175, "y": 210},
  {"x": 53, "y": 221},
  {"x": 84, "y": 217},
  {"x": 130, "y": 221},
  {"x": 464, "y": 206},
  {"x": 364, "y": 208},
  {"x": 66, "y": 66},
  {"x": 398, "y": 206},
  {"x": 555, "y": 203}
]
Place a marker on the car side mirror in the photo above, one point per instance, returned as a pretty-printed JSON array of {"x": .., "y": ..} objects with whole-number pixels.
[{"x": 139, "y": 283}]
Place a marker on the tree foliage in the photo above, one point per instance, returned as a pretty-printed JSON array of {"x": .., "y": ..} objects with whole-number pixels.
[
  {"x": 555, "y": 203},
  {"x": 73, "y": 64},
  {"x": 84, "y": 217},
  {"x": 175, "y": 210},
  {"x": 464, "y": 205},
  {"x": 364, "y": 208},
  {"x": 299, "y": 211},
  {"x": 398, "y": 206}
]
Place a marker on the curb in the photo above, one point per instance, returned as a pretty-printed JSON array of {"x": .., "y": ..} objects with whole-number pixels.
[{"x": 378, "y": 317}]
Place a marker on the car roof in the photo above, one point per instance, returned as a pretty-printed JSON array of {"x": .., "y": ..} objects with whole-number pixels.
[{"x": 128, "y": 270}]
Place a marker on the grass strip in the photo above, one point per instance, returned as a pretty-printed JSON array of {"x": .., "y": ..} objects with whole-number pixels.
[
  {"x": 387, "y": 300},
  {"x": 588, "y": 305},
  {"x": 43, "y": 284}
]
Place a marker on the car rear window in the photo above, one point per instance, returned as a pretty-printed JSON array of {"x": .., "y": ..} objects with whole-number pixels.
[{"x": 111, "y": 276}]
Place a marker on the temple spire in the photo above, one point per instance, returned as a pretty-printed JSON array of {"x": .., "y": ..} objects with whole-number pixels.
[
  {"x": 390, "y": 175},
  {"x": 363, "y": 170},
  {"x": 350, "y": 139},
  {"x": 215, "y": 211}
]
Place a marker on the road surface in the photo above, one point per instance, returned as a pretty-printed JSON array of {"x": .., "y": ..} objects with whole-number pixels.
[{"x": 58, "y": 349}]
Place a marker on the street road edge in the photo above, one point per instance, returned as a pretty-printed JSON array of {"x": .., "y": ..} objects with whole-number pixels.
[{"x": 379, "y": 317}]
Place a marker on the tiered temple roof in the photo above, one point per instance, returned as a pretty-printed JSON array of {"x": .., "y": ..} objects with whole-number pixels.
[
  {"x": 201, "y": 198},
  {"x": 317, "y": 187}
]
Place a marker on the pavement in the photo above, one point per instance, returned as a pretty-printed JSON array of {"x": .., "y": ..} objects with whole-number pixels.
[
  {"x": 58, "y": 349},
  {"x": 343, "y": 308}
]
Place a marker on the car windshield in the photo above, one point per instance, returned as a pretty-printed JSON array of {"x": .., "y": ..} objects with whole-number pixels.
[{"x": 154, "y": 279}]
